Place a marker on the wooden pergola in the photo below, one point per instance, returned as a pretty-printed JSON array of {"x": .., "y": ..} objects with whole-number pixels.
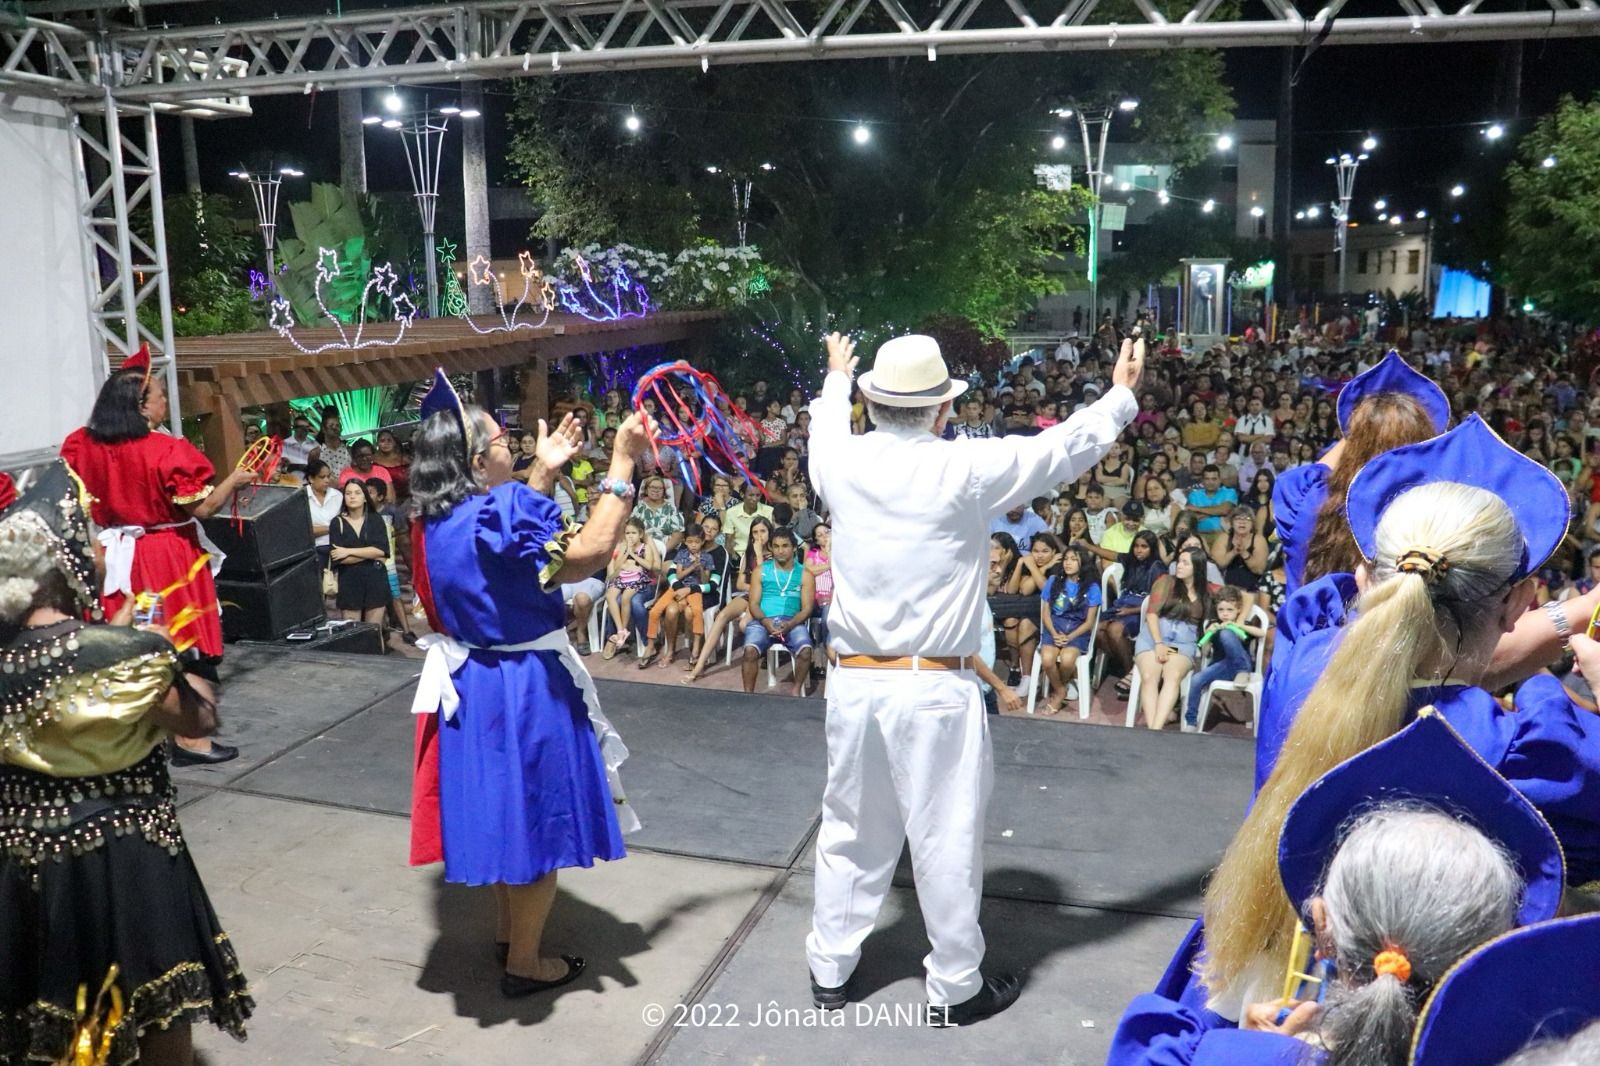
[{"x": 218, "y": 377}]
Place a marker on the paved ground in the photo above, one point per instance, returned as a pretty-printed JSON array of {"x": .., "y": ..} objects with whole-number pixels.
[{"x": 1097, "y": 843}]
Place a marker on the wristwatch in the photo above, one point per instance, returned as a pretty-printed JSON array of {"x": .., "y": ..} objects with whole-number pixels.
[{"x": 1558, "y": 618}]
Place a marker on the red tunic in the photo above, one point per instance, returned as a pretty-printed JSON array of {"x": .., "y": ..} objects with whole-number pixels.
[
  {"x": 146, "y": 482},
  {"x": 427, "y": 834}
]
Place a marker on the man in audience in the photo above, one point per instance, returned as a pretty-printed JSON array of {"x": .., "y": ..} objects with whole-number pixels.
[
  {"x": 782, "y": 596},
  {"x": 736, "y": 520},
  {"x": 1022, "y": 523},
  {"x": 1210, "y": 501},
  {"x": 297, "y": 445},
  {"x": 972, "y": 423}
]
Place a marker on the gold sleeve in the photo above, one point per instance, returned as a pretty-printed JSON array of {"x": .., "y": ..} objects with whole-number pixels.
[
  {"x": 556, "y": 550},
  {"x": 102, "y": 719}
]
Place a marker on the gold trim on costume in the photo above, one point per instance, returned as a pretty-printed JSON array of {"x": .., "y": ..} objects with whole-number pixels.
[{"x": 184, "y": 501}]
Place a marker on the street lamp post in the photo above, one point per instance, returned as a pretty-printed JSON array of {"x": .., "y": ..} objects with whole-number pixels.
[
  {"x": 1345, "y": 167},
  {"x": 423, "y": 133},
  {"x": 264, "y": 188},
  {"x": 1094, "y": 126}
]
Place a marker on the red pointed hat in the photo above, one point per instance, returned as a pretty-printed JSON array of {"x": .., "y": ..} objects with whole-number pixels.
[
  {"x": 139, "y": 360},
  {"x": 8, "y": 490}
]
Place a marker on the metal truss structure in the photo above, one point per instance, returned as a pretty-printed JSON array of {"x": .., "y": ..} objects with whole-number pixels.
[
  {"x": 497, "y": 38},
  {"x": 119, "y": 172}
]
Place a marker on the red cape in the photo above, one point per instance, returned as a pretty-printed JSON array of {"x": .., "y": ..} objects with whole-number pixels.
[{"x": 427, "y": 842}]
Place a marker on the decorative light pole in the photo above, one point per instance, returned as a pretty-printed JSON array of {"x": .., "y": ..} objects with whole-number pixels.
[
  {"x": 1345, "y": 167},
  {"x": 1094, "y": 126},
  {"x": 264, "y": 187},
  {"x": 423, "y": 133}
]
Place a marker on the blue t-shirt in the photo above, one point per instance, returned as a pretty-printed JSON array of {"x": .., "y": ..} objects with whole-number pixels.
[
  {"x": 1023, "y": 530},
  {"x": 1059, "y": 593},
  {"x": 1198, "y": 497}
]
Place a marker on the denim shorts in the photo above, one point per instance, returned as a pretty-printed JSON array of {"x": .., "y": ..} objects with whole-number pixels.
[{"x": 757, "y": 637}]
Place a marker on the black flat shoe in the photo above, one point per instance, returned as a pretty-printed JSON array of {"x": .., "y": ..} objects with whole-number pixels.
[
  {"x": 219, "y": 753},
  {"x": 514, "y": 987},
  {"x": 830, "y": 998},
  {"x": 997, "y": 993}
]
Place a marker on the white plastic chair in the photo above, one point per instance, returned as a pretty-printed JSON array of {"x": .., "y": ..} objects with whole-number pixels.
[
  {"x": 1133, "y": 686},
  {"x": 1252, "y": 686},
  {"x": 778, "y": 649},
  {"x": 1089, "y": 667}
]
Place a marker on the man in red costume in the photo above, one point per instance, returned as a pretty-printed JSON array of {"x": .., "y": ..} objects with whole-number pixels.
[{"x": 151, "y": 489}]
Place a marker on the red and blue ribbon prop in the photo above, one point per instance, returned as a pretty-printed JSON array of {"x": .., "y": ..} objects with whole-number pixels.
[{"x": 690, "y": 421}]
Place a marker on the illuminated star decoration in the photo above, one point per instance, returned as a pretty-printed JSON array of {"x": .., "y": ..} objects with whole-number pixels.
[
  {"x": 386, "y": 279},
  {"x": 447, "y": 250},
  {"x": 383, "y": 279},
  {"x": 620, "y": 297},
  {"x": 327, "y": 264},
  {"x": 537, "y": 294}
]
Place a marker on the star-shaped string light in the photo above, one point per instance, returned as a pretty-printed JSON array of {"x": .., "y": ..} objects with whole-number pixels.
[
  {"x": 536, "y": 295},
  {"x": 481, "y": 269},
  {"x": 385, "y": 279},
  {"x": 327, "y": 264},
  {"x": 281, "y": 318},
  {"x": 404, "y": 310},
  {"x": 525, "y": 263},
  {"x": 447, "y": 250}
]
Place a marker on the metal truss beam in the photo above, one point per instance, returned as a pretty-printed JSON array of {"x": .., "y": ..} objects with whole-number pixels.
[
  {"x": 119, "y": 174},
  {"x": 539, "y": 37},
  {"x": 45, "y": 59}
]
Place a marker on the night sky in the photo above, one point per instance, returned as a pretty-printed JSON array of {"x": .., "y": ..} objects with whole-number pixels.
[{"x": 1427, "y": 104}]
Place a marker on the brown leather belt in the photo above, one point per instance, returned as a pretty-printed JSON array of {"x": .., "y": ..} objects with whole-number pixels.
[{"x": 905, "y": 662}]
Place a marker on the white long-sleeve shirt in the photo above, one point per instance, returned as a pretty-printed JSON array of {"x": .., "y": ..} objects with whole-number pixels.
[{"x": 911, "y": 518}]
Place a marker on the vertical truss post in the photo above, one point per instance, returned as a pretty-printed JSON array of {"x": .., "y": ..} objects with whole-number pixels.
[{"x": 119, "y": 171}]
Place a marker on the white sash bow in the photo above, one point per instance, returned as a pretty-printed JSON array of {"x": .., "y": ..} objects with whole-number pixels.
[
  {"x": 119, "y": 543},
  {"x": 436, "y": 691}
]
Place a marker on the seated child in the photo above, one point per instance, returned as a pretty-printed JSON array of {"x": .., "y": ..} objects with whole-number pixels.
[{"x": 1230, "y": 657}]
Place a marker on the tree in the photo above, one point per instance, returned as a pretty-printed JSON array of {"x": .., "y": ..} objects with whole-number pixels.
[
  {"x": 938, "y": 212},
  {"x": 1553, "y": 221}
]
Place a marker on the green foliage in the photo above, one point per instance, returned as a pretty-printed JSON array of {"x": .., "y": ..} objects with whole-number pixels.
[
  {"x": 362, "y": 412},
  {"x": 1552, "y": 251},
  {"x": 327, "y": 220},
  {"x": 939, "y": 213},
  {"x": 210, "y": 247}
]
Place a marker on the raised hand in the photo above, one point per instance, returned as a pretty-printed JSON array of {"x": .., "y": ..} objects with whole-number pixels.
[
  {"x": 633, "y": 436},
  {"x": 1130, "y": 363},
  {"x": 556, "y": 449},
  {"x": 841, "y": 353}
]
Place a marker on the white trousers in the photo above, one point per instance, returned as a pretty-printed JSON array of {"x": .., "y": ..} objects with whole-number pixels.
[{"x": 908, "y": 756}]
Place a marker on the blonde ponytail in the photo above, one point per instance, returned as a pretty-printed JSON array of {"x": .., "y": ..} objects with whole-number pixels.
[{"x": 1362, "y": 696}]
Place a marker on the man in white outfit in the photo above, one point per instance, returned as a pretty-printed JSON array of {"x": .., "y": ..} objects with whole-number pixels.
[{"x": 908, "y": 740}]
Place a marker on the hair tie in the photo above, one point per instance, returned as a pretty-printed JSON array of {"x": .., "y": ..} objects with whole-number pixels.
[
  {"x": 1392, "y": 961},
  {"x": 1429, "y": 564}
]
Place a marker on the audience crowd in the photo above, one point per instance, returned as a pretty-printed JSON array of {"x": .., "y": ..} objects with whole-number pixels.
[{"x": 1163, "y": 558}]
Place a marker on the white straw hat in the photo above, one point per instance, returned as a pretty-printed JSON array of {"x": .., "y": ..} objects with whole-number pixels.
[{"x": 910, "y": 372}]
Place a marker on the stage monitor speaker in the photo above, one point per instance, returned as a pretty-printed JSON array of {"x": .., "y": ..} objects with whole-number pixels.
[
  {"x": 350, "y": 638},
  {"x": 272, "y": 528},
  {"x": 267, "y": 608}
]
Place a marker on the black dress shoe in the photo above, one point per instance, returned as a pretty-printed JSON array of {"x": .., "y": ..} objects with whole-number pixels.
[
  {"x": 514, "y": 987},
  {"x": 830, "y": 998},
  {"x": 219, "y": 752},
  {"x": 997, "y": 993}
]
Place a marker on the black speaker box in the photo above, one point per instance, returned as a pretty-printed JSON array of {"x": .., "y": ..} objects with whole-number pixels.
[
  {"x": 267, "y": 608},
  {"x": 272, "y": 528}
]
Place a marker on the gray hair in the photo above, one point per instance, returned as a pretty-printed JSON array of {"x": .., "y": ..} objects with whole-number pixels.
[
  {"x": 26, "y": 559},
  {"x": 904, "y": 417},
  {"x": 1580, "y": 1049},
  {"x": 1419, "y": 881}
]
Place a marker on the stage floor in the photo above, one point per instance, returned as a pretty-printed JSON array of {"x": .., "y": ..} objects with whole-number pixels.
[{"x": 1097, "y": 841}]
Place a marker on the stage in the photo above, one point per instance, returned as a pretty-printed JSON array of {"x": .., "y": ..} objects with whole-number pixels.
[{"x": 1098, "y": 838}]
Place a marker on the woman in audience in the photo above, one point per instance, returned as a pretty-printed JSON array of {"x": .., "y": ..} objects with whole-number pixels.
[
  {"x": 1114, "y": 474},
  {"x": 1069, "y": 609},
  {"x": 327, "y": 502},
  {"x": 359, "y": 545},
  {"x": 787, "y": 474},
  {"x": 1120, "y": 620},
  {"x": 720, "y": 499},
  {"x": 1160, "y": 463},
  {"x": 330, "y": 443},
  {"x": 1165, "y": 651},
  {"x": 755, "y": 553},
  {"x": 774, "y": 438},
  {"x": 819, "y": 564},
  {"x": 1074, "y": 530},
  {"x": 1033, "y": 571},
  {"x": 1258, "y": 498},
  {"x": 1160, "y": 510},
  {"x": 1240, "y": 552},
  {"x": 1200, "y": 433},
  {"x": 391, "y": 458}
]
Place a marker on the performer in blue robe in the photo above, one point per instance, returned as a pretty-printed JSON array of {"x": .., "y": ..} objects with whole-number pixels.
[
  {"x": 1460, "y": 491},
  {"x": 516, "y": 773},
  {"x": 1373, "y": 417},
  {"x": 1426, "y": 767}
]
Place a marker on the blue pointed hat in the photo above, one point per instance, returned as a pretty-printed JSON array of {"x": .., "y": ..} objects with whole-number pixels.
[
  {"x": 442, "y": 397},
  {"x": 1471, "y": 454},
  {"x": 1533, "y": 984},
  {"x": 1392, "y": 374},
  {"x": 1426, "y": 762}
]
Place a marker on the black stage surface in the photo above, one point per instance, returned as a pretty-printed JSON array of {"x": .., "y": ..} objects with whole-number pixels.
[{"x": 1098, "y": 839}]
